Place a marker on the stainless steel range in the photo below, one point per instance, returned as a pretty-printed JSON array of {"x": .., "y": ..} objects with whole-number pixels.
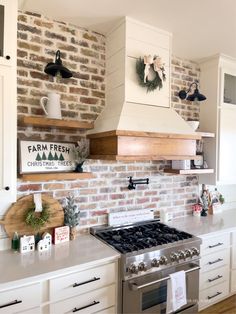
[{"x": 150, "y": 251}]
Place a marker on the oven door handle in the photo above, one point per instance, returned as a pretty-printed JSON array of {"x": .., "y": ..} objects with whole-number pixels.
[{"x": 135, "y": 287}]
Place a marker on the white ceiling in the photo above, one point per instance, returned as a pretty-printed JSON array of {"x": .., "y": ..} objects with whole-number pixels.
[{"x": 200, "y": 27}]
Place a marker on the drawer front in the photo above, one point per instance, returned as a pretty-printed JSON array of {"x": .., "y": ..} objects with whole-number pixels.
[
  {"x": 233, "y": 250},
  {"x": 82, "y": 282},
  {"x": 87, "y": 303},
  {"x": 214, "y": 277},
  {"x": 20, "y": 299},
  {"x": 233, "y": 281},
  {"x": 215, "y": 260},
  {"x": 213, "y": 244},
  {"x": 212, "y": 295},
  {"x": 36, "y": 310},
  {"x": 111, "y": 310}
]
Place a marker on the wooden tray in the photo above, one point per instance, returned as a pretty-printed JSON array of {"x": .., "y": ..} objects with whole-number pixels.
[{"x": 14, "y": 219}]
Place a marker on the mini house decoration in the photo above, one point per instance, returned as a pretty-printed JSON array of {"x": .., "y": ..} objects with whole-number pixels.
[
  {"x": 46, "y": 242},
  {"x": 27, "y": 244}
]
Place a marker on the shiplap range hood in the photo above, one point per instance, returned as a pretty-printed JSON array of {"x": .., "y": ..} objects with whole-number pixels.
[{"x": 135, "y": 124}]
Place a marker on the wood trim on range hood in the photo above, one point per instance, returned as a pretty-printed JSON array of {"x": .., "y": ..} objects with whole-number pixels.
[{"x": 132, "y": 145}]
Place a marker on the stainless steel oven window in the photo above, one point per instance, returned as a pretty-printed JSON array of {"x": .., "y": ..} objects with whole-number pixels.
[{"x": 154, "y": 297}]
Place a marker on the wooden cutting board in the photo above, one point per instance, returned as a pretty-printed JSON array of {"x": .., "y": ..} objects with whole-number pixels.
[{"x": 14, "y": 219}]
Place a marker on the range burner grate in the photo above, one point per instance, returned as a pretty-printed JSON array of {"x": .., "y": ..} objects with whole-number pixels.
[{"x": 135, "y": 238}]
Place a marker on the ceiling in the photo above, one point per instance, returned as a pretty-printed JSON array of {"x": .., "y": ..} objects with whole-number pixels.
[{"x": 200, "y": 28}]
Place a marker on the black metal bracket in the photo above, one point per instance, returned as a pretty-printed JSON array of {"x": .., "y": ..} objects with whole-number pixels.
[{"x": 133, "y": 183}]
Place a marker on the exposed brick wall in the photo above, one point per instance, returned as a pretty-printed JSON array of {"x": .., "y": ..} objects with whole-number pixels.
[
  {"x": 184, "y": 72},
  {"x": 83, "y": 99}
]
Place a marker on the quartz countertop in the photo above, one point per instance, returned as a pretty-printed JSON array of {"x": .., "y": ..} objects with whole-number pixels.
[
  {"x": 198, "y": 226},
  {"x": 84, "y": 252}
]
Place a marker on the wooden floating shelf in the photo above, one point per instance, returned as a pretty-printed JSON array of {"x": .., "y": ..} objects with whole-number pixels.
[
  {"x": 55, "y": 176},
  {"x": 54, "y": 123},
  {"x": 205, "y": 134},
  {"x": 144, "y": 158},
  {"x": 188, "y": 171}
]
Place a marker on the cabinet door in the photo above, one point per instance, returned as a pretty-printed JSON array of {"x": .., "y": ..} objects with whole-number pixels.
[
  {"x": 8, "y": 22},
  {"x": 7, "y": 137},
  {"x": 227, "y": 145}
]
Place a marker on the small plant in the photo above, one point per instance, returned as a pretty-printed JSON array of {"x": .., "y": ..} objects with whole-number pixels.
[
  {"x": 81, "y": 151},
  {"x": 71, "y": 212}
]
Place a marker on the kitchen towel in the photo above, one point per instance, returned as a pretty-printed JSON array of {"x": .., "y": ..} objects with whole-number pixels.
[{"x": 176, "y": 291}]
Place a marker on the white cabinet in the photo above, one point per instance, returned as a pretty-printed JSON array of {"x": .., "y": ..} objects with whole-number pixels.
[
  {"x": 233, "y": 262},
  {"x": 8, "y": 112},
  {"x": 215, "y": 269},
  {"x": 20, "y": 299},
  {"x": 217, "y": 115}
]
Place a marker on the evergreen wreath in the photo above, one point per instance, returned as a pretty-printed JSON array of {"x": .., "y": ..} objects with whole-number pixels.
[
  {"x": 37, "y": 220},
  {"x": 156, "y": 65}
]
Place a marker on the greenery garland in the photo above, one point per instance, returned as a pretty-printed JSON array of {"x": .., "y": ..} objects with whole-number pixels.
[
  {"x": 37, "y": 220},
  {"x": 151, "y": 85}
]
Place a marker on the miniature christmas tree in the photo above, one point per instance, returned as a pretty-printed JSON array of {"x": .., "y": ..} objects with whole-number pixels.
[{"x": 71, "y": 217}]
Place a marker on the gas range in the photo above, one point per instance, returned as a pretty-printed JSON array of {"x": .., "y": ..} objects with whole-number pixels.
[{"x": 149, "y": 246}]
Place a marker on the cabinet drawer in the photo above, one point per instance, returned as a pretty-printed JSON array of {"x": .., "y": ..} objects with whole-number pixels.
[
  {"x": 213, "y": 244},
  {"x": 36, "y": 310},
  {"x": 214, "y": 277},
  {"x": 111, "y": 310},
  {"x": 233, "y": 281},
  {"x": 20, "y": 299},
  {"x": 215, "y": 260},
  {"x": 81, "y": 282},
  {"x": 87, "y": 303},
  {"x": 212, "y": 295}
]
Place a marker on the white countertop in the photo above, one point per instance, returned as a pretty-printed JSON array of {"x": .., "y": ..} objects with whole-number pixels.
[
  {"x": 84, "y": 252},
  {"x": 225, "y": 221}
]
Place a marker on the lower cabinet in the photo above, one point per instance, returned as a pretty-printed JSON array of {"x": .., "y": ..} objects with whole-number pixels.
[
  {"x": 215, "y": 269},
  {"x": 233, "y": 263},
  {"x": 86, "y": 291}
]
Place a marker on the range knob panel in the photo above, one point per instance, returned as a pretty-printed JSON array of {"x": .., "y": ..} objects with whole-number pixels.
[
  {"x": 195, "y": 251},
  {"x": 174, "y": 257},
  {"x": 163, "y": 260},
  {"x": 155, "y": 263},
  {"x": 142, "y": 266},
  {"x": 182, "y": 255}
]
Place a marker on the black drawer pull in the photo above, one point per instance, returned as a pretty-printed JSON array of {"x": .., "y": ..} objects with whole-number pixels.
[
  {"x": 10, "y": 303},
  {"x": 215, "y": 295},
  {"x": 216, "y": 278},
  {"x": 215, "y": 245},
  {"x": 85, "y": 282},
  {"x": 84, "y": 307},
  {"x": 216, "y": 261}
]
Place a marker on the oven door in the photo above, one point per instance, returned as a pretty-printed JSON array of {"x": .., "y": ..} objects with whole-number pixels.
[{"x": 148, "y": 293}]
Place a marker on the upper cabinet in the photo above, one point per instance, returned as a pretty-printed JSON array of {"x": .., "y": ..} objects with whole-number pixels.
[
  {"x": 8, "y": 40},
  {"x": 218, "y": 115}
]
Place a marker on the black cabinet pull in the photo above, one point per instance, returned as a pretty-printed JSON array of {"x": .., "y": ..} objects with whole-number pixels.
[
  {"x": 216, "y": 261},
  {"x": 84, "y": 307},
  {"x": 8, "y": 57},
  {"x": 215, "y": 245},
  {"x": 215, "y": 295},
  {"x": 85, "y": 282},
  {"x": 216, "y": 278},
  {"x": 10, "y": 303},
  {"x": 7, "y": 188}
]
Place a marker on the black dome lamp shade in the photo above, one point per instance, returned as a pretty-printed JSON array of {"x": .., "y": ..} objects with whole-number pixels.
[
  {"x": 55, "y": 68},
  {"x": 194, "y": 96}
]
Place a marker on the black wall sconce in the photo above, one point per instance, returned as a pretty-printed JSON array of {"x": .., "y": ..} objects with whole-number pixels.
[
  {"x": 133, "y": 183},
  {"x": 57, "y": 68},
  {"x": 194, "y": 96}
]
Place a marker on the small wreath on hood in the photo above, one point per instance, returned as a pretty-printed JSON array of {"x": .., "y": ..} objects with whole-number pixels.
[{"x": 150, "y": 64}]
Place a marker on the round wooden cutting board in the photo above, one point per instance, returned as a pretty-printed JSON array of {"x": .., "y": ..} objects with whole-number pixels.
[{"x": 14, "y": 219}]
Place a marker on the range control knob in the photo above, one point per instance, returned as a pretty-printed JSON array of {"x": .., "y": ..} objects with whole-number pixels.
[
  {"x": 188, "y": 253},
  {"x": 163, "y": 260},
  {"x": 155, "y": 263},
  {"x": 133, "y": 269},
  {"x": 142, "y": 266},
  {"x": 195, "y": 251},
  {"x": 174, "y": 257},
  {"x": 182, "y": 255}
]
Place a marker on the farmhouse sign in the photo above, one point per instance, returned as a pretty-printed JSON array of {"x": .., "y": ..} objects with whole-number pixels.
[{"x": 40, "y": 156}]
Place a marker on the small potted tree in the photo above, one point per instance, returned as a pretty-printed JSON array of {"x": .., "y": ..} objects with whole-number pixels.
[{"x": 71, "y": 215}]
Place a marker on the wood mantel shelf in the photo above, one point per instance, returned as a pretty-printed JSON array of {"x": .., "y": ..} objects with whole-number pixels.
[
  {"x": 55, "y": 176},
  {"x": 54, "y": 123},
  {"x": 188, "y": 171}
]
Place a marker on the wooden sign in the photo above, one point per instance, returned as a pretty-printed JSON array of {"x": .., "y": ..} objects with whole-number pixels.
[
  {"x": 40, "y": 156},
  {"x": 61, "y": 234}
]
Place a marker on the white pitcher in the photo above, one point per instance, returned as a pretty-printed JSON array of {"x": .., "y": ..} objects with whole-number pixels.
[{"x": 51, "y": 105}]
